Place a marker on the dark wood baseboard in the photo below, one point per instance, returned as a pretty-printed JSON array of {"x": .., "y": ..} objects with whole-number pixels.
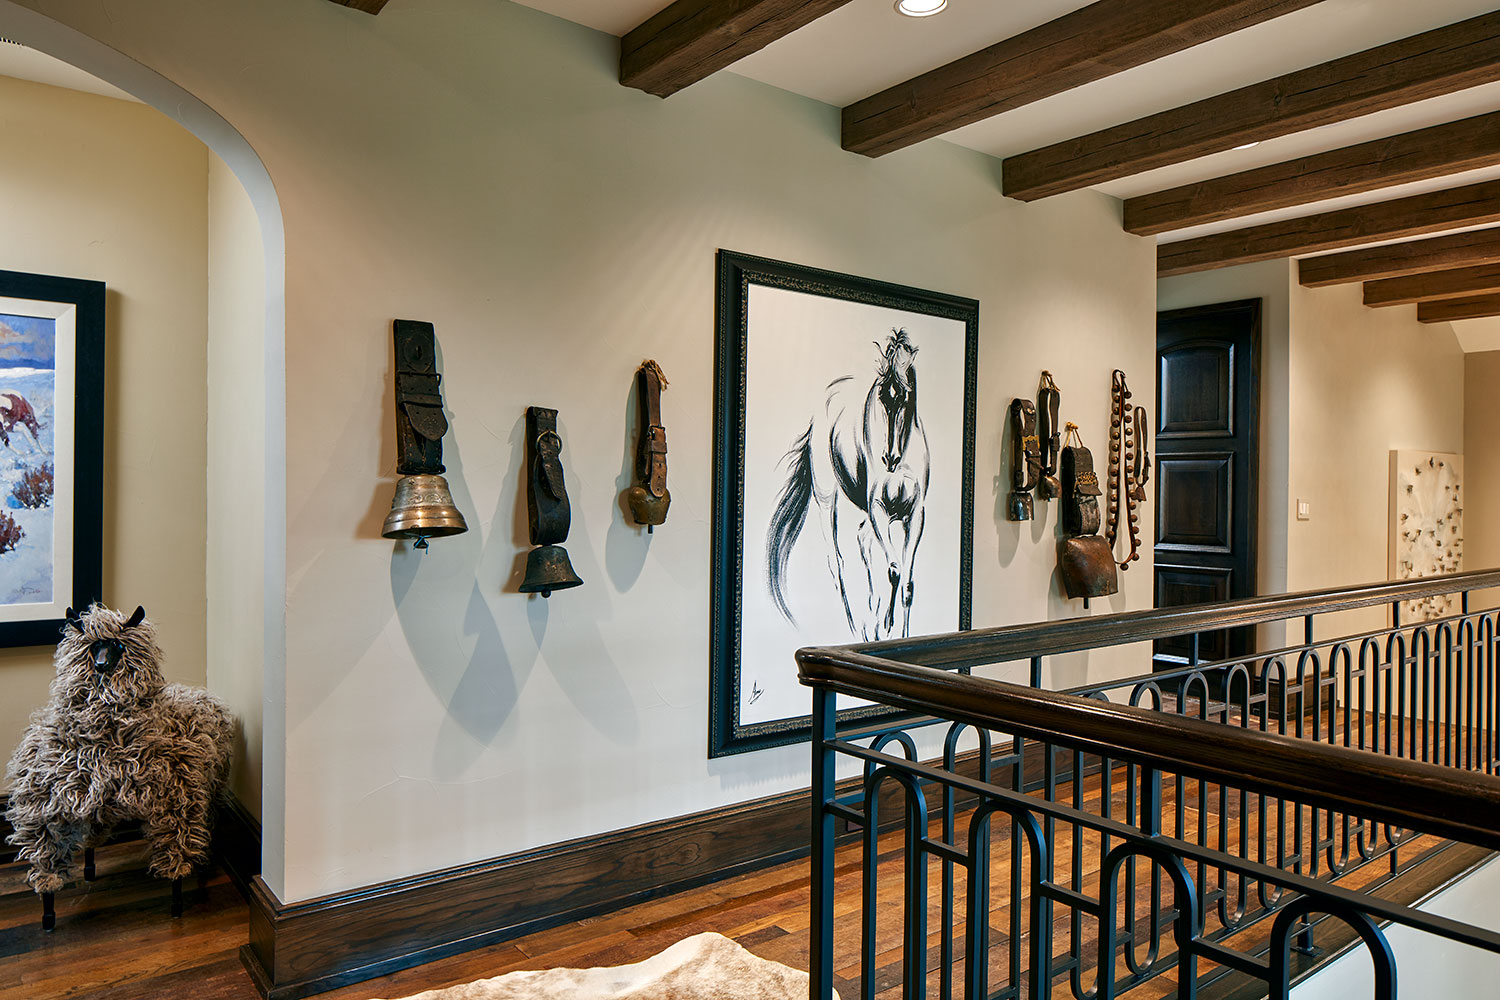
[
  {"x": 237, "y": 844},
  {"x": 302, "y": 948}
]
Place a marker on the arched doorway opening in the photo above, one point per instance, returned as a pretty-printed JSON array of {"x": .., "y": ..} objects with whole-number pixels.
[{"x": 246, "y": 453}]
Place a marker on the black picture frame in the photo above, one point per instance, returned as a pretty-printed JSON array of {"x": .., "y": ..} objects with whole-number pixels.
[
  {"x": 737, "y": 273},
  {"x": 84, "y": 301}
]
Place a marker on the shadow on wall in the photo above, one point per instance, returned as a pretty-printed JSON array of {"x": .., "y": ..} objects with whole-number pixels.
[
  {"x": 480, "y": 684},
  {"x": 627, "y": 544}
]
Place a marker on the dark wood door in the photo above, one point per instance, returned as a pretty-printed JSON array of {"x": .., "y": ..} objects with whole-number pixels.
[{"x": 1207, "y": 463}]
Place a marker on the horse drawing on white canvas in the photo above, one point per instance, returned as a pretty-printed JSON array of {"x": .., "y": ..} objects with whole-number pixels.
[{"x": 864, "y": 460}]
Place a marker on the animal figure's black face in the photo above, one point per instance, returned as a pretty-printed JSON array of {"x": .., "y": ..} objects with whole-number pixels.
[
  {"x": 106, "y": 649},
  {"x": 106, "y": 654}
]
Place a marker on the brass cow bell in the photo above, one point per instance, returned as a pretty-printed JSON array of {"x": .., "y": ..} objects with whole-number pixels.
[
  {"x": 423, "y": 507},
  {"x": 547, "y": 508},
  {"x": 649, "y": 499}
]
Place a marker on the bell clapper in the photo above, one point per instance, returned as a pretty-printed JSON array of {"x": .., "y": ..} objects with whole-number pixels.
[{"x": 421, "y": 543}]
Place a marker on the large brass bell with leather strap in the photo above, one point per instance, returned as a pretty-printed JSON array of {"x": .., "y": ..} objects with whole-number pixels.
[
  {"x": 547, "y": 508},
  {"x": 423, "y": 507}
]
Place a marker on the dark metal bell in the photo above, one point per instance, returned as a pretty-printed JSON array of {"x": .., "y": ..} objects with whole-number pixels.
[
  {"x": 1021, "y": 507},
  {"x": 548, "y": 569}
]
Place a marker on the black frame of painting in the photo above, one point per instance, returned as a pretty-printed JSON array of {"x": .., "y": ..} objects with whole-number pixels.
[
  {"x": 735, "y": 273},
  {"x": 88, "y": 442}
]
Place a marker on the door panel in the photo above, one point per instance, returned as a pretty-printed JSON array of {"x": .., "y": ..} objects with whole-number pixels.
[
  {"x": 1194, "y": 502},
  {"x": 1207, "y": 464},
  {"x": 1197, "y": 387},
  {"x": 1192, "y": 585}
]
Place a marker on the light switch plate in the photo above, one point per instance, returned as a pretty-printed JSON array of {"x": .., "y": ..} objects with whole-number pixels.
[{"x": 1304, "y": 510}]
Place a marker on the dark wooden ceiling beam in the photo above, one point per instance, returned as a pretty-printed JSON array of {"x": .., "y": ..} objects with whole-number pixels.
[
  {"x": 368, "y": 6},
  {"x": 693, "y": 39},
  {"x": 1400, "y": 218},
  {"x": 1431, "y": 64},
  {"x": 1400, "y": 159},
  {"x": 1461, "y": 282},
  {"x": 1097, "y": 41},
  {"x": 1448, "y": 310},
  {"x": 1439, "y": 253}
]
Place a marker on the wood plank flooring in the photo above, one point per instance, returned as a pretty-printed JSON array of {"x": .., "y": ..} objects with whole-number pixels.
[{"x": 115, "y": 938}]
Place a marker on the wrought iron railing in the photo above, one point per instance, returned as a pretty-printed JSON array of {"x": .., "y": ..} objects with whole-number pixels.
[{"x": 1215, "y": 823}]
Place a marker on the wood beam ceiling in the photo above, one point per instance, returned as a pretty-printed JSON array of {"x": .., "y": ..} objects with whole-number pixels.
[
  {"x": 1097, "y": 41},
  {"x": 692, "y": 39},
  {"x": 368, "y": 6},
  {"x": 1461, "y": 282},
  {"x": 1480, "y": 246},
  {"x": 1447, "y": 59},
  {"x": 1401, "y": 218},
  {"x": 1448, "y": 310},
  {"x": 1400, "y": 159}
]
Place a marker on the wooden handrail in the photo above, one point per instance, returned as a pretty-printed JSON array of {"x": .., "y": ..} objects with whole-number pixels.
[
  {"x": 1022, "y": 642},
  {"x": 1449, "y": 802}
]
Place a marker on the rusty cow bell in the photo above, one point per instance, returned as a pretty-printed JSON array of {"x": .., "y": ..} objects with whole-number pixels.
[{"x": 649, "y": 499}]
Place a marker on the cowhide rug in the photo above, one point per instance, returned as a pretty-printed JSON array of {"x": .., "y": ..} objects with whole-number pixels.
[{"x": 703, "y": 967}]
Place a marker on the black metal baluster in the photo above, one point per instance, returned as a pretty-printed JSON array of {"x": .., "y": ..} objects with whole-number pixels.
[{"x": 820, "y": 961}]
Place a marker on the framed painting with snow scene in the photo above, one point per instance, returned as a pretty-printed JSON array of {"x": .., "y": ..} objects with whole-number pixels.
[
  {"x": 843, "y": 482},
  {"x": 51, "y": 452}
]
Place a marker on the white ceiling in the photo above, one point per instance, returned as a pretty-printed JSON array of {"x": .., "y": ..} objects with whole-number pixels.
[
  {"x": 865, "y": 46},
  {"x": 28, "y": 64}
]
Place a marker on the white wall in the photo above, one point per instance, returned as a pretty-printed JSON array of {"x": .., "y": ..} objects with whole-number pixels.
[
  {"x": 236, "y": 449},
  {"x": 94, "y": 187},
  {"x": 474, "y": 163},
  {"x": 1426, "y": 965},
  {"x": 1364, "y": 382},
  {"x": 1482, "y": 462}
]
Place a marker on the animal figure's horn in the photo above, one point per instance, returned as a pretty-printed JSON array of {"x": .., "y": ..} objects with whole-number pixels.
[{"x": 137, "y": 618}]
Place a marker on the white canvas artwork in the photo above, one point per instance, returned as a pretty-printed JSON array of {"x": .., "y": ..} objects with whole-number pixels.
[
  {"x": 1427, "y": 535},
  {"x": 844, "y": 472},
  {"x": 842, "y": 572}
]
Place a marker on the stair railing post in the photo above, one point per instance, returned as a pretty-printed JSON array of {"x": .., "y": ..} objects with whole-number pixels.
[{"x": 820, "y": 959}]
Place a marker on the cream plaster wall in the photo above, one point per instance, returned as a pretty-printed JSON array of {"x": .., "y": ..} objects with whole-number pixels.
[
  {"x": 93, "y": 187},
  {"x": 476, "y": 164},
  {"x": 236, "y": 448},
  {"x": 1482, "y": 462},
  {"x": 1364, "y": 382}
]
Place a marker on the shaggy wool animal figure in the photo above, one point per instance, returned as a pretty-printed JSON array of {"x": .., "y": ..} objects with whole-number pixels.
[{"x": 116, "y": 744}]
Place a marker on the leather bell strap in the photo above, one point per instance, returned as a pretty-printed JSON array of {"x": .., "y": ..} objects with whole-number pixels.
[
  {"x": 1142, "y": 471},
  {"x": 1026, "y": 456},
  {"x": 1049, "y": 432},
  {"x": 652, "y": 461}
]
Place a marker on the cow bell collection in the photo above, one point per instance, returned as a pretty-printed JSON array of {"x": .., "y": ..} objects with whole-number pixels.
[
  {"x": 547, "y": 508},
  {"x": 423, "y": 507}
]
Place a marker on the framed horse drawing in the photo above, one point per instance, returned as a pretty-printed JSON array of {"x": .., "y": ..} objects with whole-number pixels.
[
  {"x": 51, "y": 452},
  {"x": 844, "y": 481}
]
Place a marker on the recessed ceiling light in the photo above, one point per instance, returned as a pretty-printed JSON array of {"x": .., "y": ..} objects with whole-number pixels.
[
  {"x": 920, "y": 8},
  {"x": 1248, "y": 145}
]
